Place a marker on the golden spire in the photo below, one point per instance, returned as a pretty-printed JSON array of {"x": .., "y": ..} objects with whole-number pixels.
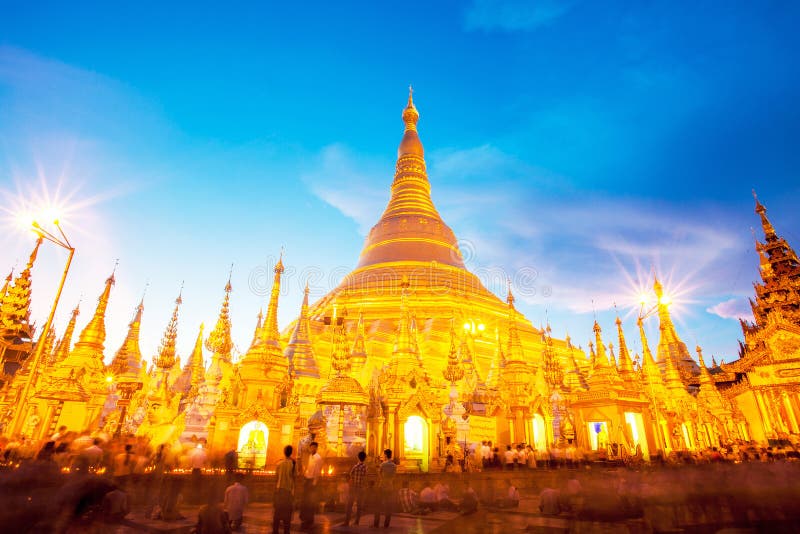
[
  {"x": 300, "y": 351},
  {"x": 625, "y": 362},
  {"x": 15, "y": 306},
  {"x": 196, "y": 365},
  {"x": 602, "y": 359},
  {"x": 410, "y": 228},
  {"x": 89, "y": 347},
  {"x": 514, "y": 351},
  {"x": 670, "y": 345},
  {"x": 671, "y": 376},
  {"x": 453, "y": 372},
  {"x": 359, "y": 353},
  {"x": 5, "y": 286},
  {"x": 769, "y": 230},
  {"x": 705, "y": 376},
  {"x": 270, "y": 336},
  {"x": 165, "y": 359},
  {"x": 498, "y": 362},
  {"x": 219, "y": 340},
  {"x": 128, "y": 359},
  {"x": 403, "y": 344},
  {"x": 650, "y": 369},
  {"x": 257, "y": 331},
  {"x": 63, "y": 345}
]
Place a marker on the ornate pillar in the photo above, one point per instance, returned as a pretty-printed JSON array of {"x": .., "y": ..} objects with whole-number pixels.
[
  {"x": 790, "y": 412},
  {"x": 400, "y": 451},
  {"x": 511, "y": 436},
  {"x": 762, "y": 409},
  {"x": 381, "y": 432}
]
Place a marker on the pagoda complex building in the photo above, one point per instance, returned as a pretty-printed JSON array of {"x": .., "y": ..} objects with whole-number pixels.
[{"x": 411, "y": 352}]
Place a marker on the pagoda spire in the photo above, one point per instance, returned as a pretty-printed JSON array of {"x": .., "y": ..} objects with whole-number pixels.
[
  {"x": 769, "y": 230},
  {"x": 196, "y": 364},
  {"x": 270, "y": 336},
  {"x": 601, "y": 361},
  {"x": 453, "y": 372},
  {"x": 498, "y": 362},
  {"x": 670, "y": 345},
  {"x": 625, "y": 362},
  {"x": 219, "y": 341},
  {"x": 411, "y": 227},
  {"x": 779, "y": 289},
  {"x": 705, "y": 376},
  {"x": 165, "y": 359},
  {"x": 514, "y": 351},
  {"x": 257, "y": 331},
  {"x": 15, "y": 307},
  {"x": 300, "y": 351},
  {"x": 63, "y": 345},
  {"x": 650, "y": 369},
  {"x": 128, "y": 359},
  {"x": 88, "y": 351},
  {"x": 4, "y": 291},
  {"x": 403, "y": 344},
  {"x": 359, "y": 352}
]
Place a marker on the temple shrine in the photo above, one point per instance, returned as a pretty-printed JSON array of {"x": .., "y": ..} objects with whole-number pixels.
[{"x": 411, "y": 352}]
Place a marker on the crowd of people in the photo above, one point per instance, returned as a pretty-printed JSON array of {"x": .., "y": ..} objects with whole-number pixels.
[{"x": 115, "y": 472}]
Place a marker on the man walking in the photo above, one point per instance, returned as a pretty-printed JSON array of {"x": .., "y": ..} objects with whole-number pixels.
[
  {"x": 386, "y": 473},
  {"x": 358, "y": 478},
  {"x": 284, "y": 492},
  {"x": 310, "y": 477}
]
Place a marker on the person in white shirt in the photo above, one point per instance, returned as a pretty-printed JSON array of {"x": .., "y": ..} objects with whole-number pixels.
[
  {"x": 509, "y": 457},
  {"x": 311, "y": 475},
  {"x": 236, "y": 497}
]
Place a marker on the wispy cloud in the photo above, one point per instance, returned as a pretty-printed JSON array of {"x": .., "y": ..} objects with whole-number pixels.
[
  {"x": 514, "y": 15},
  {"x": 735, "y": 308},
  {"x": 358, "y": 187}
]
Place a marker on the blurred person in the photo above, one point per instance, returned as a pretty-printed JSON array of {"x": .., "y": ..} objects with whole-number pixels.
[
  {"x": 212, "y": 518},
  {"x": 342, "y": 493},
  {"x": 310, "y": 477},
  {"x": 284, "y": 491},
  {"x": 386, "y": 475},
  {"x": 443, "y": 500},
  {"x": 115, "y": 505},
  {"x": 236, "y": 498},
  {"x": 93, "y": 454},
  {"x": 549, "y": 501},
  {"x": 508, "y": 458},
  {"x": 408, "y": 498},
  {"x": 60, "y": 433},
  {"x": 427, "y": 498},
  {"x": 469, "y": 500},
  {"x": 358, "y": 477}
]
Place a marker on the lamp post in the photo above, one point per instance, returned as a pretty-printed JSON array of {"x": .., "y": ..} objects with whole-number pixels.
[{"x": 37, "y": 353}]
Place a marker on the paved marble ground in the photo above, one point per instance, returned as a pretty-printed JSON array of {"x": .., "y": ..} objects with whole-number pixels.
[{"x": 258, "y": 519}]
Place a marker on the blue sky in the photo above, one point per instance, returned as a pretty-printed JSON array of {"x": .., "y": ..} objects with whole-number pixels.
[{"x": 574, "y": 146}]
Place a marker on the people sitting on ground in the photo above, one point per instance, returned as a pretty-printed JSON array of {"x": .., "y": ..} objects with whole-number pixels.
[
  {"x": 549, "y": 501},
  {"x": 212, "y": 518},
  {"x": 469, "y": 501},
  {"x": 443, "y": 501},
  {"x": 115, "y": 505},
  {"x": 409, "y": 500},
  {"x": 511, "y": 500},
  {"x": 427, "y": 498}
]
